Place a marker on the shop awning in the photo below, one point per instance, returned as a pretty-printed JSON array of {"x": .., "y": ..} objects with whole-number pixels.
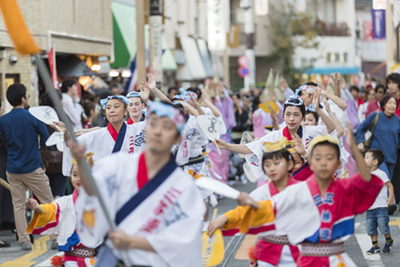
[
  {"x": 203, "y": 49},
  {"x": 124, "y": 26},
  {"x": 341, "y": 70},
  {"x": 194, "y": 64},
  {"x": 72, "y": 66}
]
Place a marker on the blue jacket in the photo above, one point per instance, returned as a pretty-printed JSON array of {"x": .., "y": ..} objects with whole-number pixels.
[
  {"x": 386, "y": 135},
  {"x": 21, "y": 130}
]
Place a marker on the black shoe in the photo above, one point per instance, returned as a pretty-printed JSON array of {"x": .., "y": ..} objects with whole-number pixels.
[
  {"x": 373, "y": 250},
  {"x": 392, "y": 209},
  {"x": 388, "y": 246}
]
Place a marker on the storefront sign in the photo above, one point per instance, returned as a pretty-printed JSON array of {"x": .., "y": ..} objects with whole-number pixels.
[
  {"x": 379, "y": 4},
  {"x": 261, "y": 7},
  {"x": 155, "y": 51},
  {"x": 216, "y": 27}
]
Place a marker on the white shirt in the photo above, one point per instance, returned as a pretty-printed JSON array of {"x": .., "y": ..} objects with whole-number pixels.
[
  {"x": 380, "y": 201},
  {"x": 72, "y": 111}
]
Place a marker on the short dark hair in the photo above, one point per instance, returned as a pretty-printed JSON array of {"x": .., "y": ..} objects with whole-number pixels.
[
  {"x": 355, "y": 88},
  {"x": 294, "y": 103},
  {"x": 195, "y": 90},
  {"x": 172, "y": 88},
  {"x": 386, "y": 99},
  {"x": 14, "y": 94},
  {"x": 114, "y": 85},
  {"x": 67, "y": 84},
  {"x": 311, "y": 84},
  {"x": 393, "y": 77},
  {"x": 281, "y": 154},
  {"x": 327, "y": 143},
  {"x": 315, "y": 114},
  {"x": 45, "y": 99},
  {"x": 377, "y": 154},
  {"x": 379, "y": 86}
]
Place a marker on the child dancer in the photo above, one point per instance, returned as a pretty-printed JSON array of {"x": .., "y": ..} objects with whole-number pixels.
[
  {"x": 59, "y": 217},
  {"x": 270, "y": 250},
  {"x": 377, "y": 214},
  {"x": 319, "y": 213},
  {"x": 294, "y": 112}
]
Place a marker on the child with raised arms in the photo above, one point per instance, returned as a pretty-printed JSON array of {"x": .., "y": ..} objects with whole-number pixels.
[{"x": 318, "y": 213}]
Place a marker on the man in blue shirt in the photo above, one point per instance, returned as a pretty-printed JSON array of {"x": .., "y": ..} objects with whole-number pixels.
[{"x": 25, "y": 168}]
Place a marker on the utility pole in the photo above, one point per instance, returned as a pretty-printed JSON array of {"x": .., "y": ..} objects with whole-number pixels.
[
  {"x": 140, "y": 51},
  {"x": 155, "y": 51},
  {"x": 249, "y": 80},
  {"x": 389, "y": 37}
]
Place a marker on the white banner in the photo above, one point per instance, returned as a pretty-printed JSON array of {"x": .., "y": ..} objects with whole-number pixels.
[
  {"x": 216, "y": 25},
  {"x": 379, "y": 4},
  {"x": 155, "y": 51},
  {"x": 261, "y": 7}
]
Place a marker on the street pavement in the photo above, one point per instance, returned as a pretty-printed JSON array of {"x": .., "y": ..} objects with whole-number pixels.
[{"x": 235, "y": 247}]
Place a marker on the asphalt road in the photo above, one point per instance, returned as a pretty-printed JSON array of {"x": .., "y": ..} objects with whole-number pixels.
[{"x": 235, "y": 247}]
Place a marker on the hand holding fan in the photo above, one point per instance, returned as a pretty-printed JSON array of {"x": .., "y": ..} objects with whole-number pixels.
[
  {"x": 210, "y": 127},
  {"x": 45, "y": 114},
  {"x": 213, "y": 247}
]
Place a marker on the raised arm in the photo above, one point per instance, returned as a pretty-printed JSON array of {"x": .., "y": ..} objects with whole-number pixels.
[
  {"x": 336, "y": 81},
  {"x": 335, "y": 120},
  {"x": 328, "y": 123},
  {"x": 151, "y": 84},
  {"x": 337, "y": 100},
  {"x": 362, "y": 167}
]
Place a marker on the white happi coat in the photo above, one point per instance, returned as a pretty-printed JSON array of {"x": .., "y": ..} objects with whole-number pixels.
[
  {"x": 254, "y": 160},
  {"x": 169, "y": 217},
  {"x": 193, "y": 139},
  {"x": 101, "y": 144}
]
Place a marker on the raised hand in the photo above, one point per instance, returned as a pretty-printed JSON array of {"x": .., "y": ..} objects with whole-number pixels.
[
  {"x": 315, "y": 101},
  {"x": 336, "y": 78},
  {"x": 327, "y": 107},
  {"x": 144, "y": 93},
  {"x": 299, "y": 146},
  {"x": 151, "y": 81}
]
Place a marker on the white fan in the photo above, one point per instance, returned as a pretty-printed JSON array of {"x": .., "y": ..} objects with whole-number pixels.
[
  {"x": 246, "y": 138},
  {"x": 45, "y": 114},
  {"x": 210, "y": 127},
  {"x": 217, "y": 187},
  {"x": 249, "y": 173}
]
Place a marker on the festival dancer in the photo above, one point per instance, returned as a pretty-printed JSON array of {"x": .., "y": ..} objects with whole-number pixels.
[
  {"x": 136, "y": 108},
  {"x": 58, "y": 217},
  {"x": 278, "y": 164},
  {"x": 117, "y": 136},
  {"x": 155, "y": 205},
  {"x": 293, "y": 112},
  {"x": 318, "y": 213}
]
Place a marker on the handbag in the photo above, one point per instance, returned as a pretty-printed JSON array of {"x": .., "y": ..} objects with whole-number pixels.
[
  {"x": 370, "y": 132},
  {"x": 52, "y": 160}
]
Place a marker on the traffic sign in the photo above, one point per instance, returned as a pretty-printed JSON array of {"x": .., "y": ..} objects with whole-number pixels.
[
  {"x": 243, "y": 72},
  {"x": 244, "y": 61}
]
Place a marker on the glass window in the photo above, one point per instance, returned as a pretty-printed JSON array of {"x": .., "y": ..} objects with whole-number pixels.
[{"x": 324, "y": 10}]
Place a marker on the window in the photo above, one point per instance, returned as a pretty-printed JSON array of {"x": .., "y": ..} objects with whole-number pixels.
[{"x": 324, "y": 10}]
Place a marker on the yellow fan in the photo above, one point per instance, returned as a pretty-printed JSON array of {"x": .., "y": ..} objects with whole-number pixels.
[
  {"x": 268, "y": 106},
  {"x": 213, "y": 247}
]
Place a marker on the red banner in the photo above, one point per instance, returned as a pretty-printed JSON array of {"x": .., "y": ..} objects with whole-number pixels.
[{"x": 53, "y": 67}]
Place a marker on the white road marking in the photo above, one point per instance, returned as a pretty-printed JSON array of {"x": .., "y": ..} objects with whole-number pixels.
[
  {"x": 364, "y": 241},
  {"x": 47, "y": 263}
]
